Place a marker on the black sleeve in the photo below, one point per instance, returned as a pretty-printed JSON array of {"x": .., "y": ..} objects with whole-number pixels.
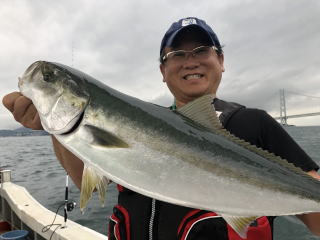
[{"x": 260, "y": 129}]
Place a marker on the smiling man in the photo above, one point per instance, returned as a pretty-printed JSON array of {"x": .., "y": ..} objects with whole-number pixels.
[{"x": 192, "y": 63}]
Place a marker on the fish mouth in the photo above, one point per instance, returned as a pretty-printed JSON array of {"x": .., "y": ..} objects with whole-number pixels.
[{"x": 29, "y": 73}]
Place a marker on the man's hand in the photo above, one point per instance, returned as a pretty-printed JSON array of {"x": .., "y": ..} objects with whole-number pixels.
[{"x": 22, "y": 110}]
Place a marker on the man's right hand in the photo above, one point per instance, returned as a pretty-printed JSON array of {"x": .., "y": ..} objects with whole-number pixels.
[
  {"x": 22, "y": 110},
  {"x": 25, "y": 113}
]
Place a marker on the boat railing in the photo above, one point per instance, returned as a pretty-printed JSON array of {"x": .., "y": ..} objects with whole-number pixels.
[{"x": 22, "y": 211}]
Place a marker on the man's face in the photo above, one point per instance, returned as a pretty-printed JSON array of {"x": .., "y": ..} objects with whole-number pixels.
[{"x": 193, "y": 77}]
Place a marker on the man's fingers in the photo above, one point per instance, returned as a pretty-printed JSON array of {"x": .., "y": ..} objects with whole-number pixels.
[
  {"x": 21, "y": 105},
  {"x": 37, "y": 122},
  {"x": 36, "y": 118},
  {"x": 9, "y": 100},
  {"x": 22, "y": 110},
  {"x": 28, "y": 115}
]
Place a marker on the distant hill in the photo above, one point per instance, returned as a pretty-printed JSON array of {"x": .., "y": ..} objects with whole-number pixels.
[{"x": 22, "y": 131}]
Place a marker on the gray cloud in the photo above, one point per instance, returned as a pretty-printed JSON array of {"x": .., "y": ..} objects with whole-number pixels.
[{"x": 268, "y": 45}]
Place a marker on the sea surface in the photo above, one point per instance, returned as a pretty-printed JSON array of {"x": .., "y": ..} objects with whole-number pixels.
[{"x": 35, "y": 167}]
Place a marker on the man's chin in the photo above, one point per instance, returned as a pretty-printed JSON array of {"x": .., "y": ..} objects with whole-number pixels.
[{"x": 197, "y": 93}]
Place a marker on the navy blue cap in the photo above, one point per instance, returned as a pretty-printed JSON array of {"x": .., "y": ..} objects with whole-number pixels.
[{"x": 184, "y": 23}]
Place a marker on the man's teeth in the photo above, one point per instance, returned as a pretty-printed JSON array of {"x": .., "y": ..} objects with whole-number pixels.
[{"x": 193, "y": 76}]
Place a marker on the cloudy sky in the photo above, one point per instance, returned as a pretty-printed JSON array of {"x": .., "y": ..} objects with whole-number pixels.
[{"x": 268, "y": 46}]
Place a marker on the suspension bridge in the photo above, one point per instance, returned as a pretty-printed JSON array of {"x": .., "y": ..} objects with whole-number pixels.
[{"x": 283, "y": 108}]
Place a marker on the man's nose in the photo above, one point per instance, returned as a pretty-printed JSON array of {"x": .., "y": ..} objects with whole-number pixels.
[
  {"x": 191, "y": 62},
  {"x": 190, "y": 54}
]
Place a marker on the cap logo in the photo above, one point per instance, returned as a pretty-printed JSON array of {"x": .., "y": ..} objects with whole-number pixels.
[{"x": 188, "y": 21}]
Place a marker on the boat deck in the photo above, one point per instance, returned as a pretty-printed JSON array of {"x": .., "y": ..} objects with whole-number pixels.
[{"x": 22, "y": 211}]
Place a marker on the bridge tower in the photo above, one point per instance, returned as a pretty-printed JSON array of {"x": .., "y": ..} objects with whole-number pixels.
[{"x": 283, "y": 111}]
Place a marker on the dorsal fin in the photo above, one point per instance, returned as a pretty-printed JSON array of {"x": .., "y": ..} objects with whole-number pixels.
[{"x": 201, "y": 111}]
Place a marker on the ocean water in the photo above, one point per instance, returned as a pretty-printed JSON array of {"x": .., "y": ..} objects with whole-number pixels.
[{"x": 35, "y": 167}]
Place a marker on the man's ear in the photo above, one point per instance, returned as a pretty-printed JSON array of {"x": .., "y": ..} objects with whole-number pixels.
[{"x": 162, "y": 69}]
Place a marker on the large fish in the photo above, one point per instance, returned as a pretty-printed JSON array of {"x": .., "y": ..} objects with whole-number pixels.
[{"x": 183, "y": 157}]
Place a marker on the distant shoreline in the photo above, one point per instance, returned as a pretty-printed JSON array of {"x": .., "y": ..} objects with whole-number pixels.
[{"x": 22, "y": 132}]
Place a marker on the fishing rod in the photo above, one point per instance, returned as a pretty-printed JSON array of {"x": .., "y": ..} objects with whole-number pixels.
[{"x": 68, "y": 206}]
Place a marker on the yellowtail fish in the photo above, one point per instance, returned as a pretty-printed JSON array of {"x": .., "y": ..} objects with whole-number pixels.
[{"x": 184, "y": 157}]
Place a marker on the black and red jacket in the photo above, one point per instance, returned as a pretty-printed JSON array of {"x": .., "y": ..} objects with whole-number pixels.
[{"x": 137, "y": 217}]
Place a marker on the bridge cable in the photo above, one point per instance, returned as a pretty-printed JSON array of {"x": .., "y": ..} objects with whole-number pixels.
[{"x": 301, "y": 94}]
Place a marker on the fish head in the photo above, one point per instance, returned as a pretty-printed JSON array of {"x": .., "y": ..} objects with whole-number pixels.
[{"x": 56, "y": 93}]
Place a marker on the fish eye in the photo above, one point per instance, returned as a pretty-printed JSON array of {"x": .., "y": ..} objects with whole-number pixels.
[
  {"x": 48, "y": 77},
  {"x": 47, "y": 73}
]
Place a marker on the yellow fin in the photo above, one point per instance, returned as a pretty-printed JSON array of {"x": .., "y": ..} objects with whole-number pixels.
[
  {"x": 201, "y": 111},
  {"x": 91, "y": 180},
  {"x": 239, "y": 224},
  {"x": 102, "y": 189}
]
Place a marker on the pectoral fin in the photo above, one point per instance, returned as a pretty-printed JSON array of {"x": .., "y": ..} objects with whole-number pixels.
[{"x": 101, "y": 137}]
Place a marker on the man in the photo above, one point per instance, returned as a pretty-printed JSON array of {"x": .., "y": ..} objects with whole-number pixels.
[{"x": 192, "y": 63}]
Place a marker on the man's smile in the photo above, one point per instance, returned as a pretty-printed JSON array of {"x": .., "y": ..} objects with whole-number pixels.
[{"x": 193, "y": 76}]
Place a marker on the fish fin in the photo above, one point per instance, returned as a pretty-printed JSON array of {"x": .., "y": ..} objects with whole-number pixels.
[
  {"x": 239, "y": 224},
  {"x": 101, "y": 137},
  {"x": 200, "y": 111},
  {"x": 102, "y": 189},
  {"x": 92, "y": 180}
]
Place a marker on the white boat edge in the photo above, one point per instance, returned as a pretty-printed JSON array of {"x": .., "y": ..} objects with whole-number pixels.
[{"x": 22, "y": 211}]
